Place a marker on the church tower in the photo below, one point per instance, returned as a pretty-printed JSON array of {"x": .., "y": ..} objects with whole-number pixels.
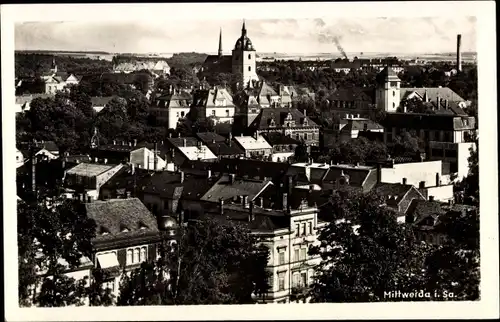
[
  {"x": 243, "y": 59},
  {"x": 220, "y": 44},
  {"x": 388, "y": 90},
  {"x": 53, "y": 67}
]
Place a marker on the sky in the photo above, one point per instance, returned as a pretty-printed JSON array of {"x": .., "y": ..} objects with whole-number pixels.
[{"x": 318, "y": 35}]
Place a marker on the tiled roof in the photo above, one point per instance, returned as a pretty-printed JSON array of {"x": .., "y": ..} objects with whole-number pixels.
[
  {"x": 387, "y": 74},
  {"x": 77, "y": 158},
  {"x": 178, "y": 99},
  {"x": 263, "y": 120},
  {"x": 358, "y": 176},
  {"x": 254, "y": 169},
  {"x": 392, "y": 189},
  {"x": 222, "y": 148},
  {"x": 250, "y": 143},
  {"x": 197, "y": 153},
  {"x": 266, "y": 90},
  {"x": 432, "y": 93},
  {"x": 275, "y": 138},
  {"x": 90, "y": 169},
  {"x": 359, "y": 125},
  {"x": 209, "y": 137},
  {"x": 116, "y": 216},
  {"x": 428, "y": 121},
  {"x": 224, "y": 189},
  {"x": 124, "y": 178},
  {"x": 162, "y": 183},
  {"x": 352, "y": 94},
  {"x": 422, "y": 208},
  {"x": 179, "y": 142}
]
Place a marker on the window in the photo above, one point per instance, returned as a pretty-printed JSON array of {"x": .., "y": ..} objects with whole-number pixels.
[
  {"x": 450, "y": 153},
  {"x": 249, "y": 68},
  {"x": 249, "y": 56},
  {"x": 182, "y": 114},
  {"x": 394, "y": 84},
  {"x": 306, "y": 136},
  {"x": 165, "y": 204},
  {"x": 296, "y": 280},
  {"x": 393, "y": 105},
  {"x": 303, "y": 228},
  {"x": 281, "y": 256},
  {"x": 297, "y": 229},
  {"x": 213, "y": 112},
  {"x": 310, "y": 228},
  {"x": 227, "y": 113},
  {"x": 297, "y": 137},
  {"x": 303, "y": 279},
  {"x": 303, "y": 253},
  {"x": 177, "y": 114},
  {"x": 136, "y": 255},
  {"x": 281, "y": 281},
  {"x": 393, "y": 93},
  {"x": 143, "y": 254},
  {"x": 129, "y": 257},
  {"x": 296, "y": 254}
]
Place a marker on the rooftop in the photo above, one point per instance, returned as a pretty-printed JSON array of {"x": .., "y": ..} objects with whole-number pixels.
[
  {"x": 251, "y": 143},
  {"x": 197, "y": 153},
  {"x": 90, "y": 169},
  {"x": 121, "y": 219},
  {"x": 226, "y": 189}
]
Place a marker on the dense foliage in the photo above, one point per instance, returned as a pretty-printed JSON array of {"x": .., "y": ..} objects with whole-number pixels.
[
  {"x": 53, "y": 237},
  {"x": 210, "y": 264},
  {"x": 368, "y": 256}
]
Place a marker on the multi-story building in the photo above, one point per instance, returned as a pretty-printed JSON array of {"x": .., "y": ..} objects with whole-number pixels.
[
  {"x": 172, "y": 107},
  {"x": 288, "y": 121},
  {"x": 254, "y": 147},
  {"x": 283, "y": 146},
  {"x": 215, "y": 104},
  {"x": 89, "y": 177},
  {"x": 446, "y": 137},
  {"x": 126, "y": 236},
  {"x": 288, "y": 231},
  {"x": 57, "y": 80}
]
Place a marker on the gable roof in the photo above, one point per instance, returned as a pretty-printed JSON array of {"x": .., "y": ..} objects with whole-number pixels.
[
  {"x": 278, "y": 115},
  {"x": 197, "y": 153},
  {"x": 115, "y": 215},
  {"x": 100, "y": 100},
  {"x": 359, "y": 125},
  {"x": 125, "y": 178},
  {"x": 431, "y": 93},
  {"x": 226, "y": 189},
  {"x": 248, "y": 168},
  {"x": 209, "y": 137},
  {"x": 276, "y": 138},
  {"x": 179, "y": 99},
  {"x": 251, "y": 143},
  {"x": 223, "y": 148},
  {"x": 359, "y": 176}
]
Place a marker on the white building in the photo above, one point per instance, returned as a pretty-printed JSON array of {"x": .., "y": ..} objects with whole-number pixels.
[{"x": 254, "y": 146}]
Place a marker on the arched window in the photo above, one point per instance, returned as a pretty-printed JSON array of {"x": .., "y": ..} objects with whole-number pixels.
[
  {"x": 129, "y": 256},
  {"x": 143, "y": 254},
  {"x": 249, "y": 56},
  {"x": 136, "y": 255}
]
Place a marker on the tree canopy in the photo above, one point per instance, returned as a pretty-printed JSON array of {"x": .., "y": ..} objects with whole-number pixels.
[{"x": 210, "y": 264}]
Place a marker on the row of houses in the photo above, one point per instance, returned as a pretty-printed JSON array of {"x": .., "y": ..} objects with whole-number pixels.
[{"x": 280, "y": 202}]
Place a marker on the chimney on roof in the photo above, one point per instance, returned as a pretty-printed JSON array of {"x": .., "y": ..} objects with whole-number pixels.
[
  {"x": 404, "y": 181},
  {"x": 285, "y": 201},
  {"x": 261, "y": 202},
  {"x": 114, "y": 142},
  {"x": 231, "y": 178},
  {"x": 244, "y": 201},
  {"x": 96, "y": 160},
  {"x": 182, "y": 176},
  {"x": 431, "y": 198},
  {"x": 184, "y": 142},
  {"x": 445, "y": 104},
  {"x": 209, "y": 173},
  {"x": 379, "y": 173},
  {"x": 133, "y": 168},
  {"x": 89, "y": 199},
  {"x": 128, "y": 194},
  {"x": 170, "y": 135},
  {"x": 251, "y": 216},
  {"x": 105, "y": 161},
  {"x": 438, "y": 100},
  {"x": 135, "y": 142},
  {"x": 438, "y": 179},
  {"x": 221, "y": 206}
]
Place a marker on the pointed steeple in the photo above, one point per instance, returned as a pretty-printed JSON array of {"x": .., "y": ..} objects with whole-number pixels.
[
  {"x": 243, "y": 29},
  {"x": 220, "y": 43}
]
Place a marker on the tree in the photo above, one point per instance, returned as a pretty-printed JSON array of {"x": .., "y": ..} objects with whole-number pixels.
[
  {"x": 453, "y": 268},
  {"x": 415, "y": 105},
  {"x": 406, "y": 143},
  {"x": 50, "y": 232},
  {"x": 359, "y": 150},
  {"x": 210, "y": 264},
  {"x": 301, "y": 154},
  {"x": 363, "y": 264}
]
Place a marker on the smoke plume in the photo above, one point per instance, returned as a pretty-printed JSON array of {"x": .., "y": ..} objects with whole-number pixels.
[{"x": 325, "y": 38}]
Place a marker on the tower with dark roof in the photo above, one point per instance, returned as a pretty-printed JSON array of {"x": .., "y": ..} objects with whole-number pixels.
[
  {"x": 388, "y": 94},
  {"x": 53, "y": 67},
  {"x": 220, "y": 43},
  {"x": 243, "y": 58}
]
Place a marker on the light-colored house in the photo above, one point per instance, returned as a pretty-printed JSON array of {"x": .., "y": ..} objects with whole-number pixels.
[
  {"x": 144, "y": 158},
  {"x": 90, "y": 177},
  {"x": 256, "y": 147},
  {"x": 215, "y": 103},
  {"x": 172, "y": 107}
]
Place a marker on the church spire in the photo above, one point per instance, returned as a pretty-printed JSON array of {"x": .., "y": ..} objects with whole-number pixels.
[
  {"x": 220, "y": 43},
  {"x": 243, "y": 29}
]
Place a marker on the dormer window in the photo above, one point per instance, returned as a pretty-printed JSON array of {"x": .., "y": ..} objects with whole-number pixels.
[{"x": 272, "y": 123}]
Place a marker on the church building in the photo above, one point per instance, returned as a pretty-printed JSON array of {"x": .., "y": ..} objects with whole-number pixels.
[{"x": 242, "y": 61}]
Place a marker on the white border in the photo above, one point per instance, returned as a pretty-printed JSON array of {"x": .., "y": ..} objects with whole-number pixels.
[{"x": 486, "y": 48}]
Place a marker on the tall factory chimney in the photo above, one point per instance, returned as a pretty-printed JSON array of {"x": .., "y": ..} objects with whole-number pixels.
[{"x": 459, "y": 54}]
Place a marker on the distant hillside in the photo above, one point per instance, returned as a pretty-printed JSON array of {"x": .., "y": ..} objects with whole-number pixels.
[
  {"x": 62, "y": 52},
  {"x": 179, "y": 59}
]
